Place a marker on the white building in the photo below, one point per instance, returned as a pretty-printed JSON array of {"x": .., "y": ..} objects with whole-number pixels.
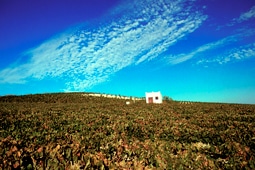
[{"x": 153, "y": 97}]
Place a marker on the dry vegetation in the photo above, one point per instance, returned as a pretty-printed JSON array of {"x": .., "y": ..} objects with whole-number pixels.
[{"x": 71, "y": 131}]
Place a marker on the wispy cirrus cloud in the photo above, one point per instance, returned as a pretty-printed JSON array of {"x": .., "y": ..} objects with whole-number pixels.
[
  {"x": 87, "y": 56},
  {"x": 176, "y": 59},
  {"x": 207, "y": 48},
  {"x": 247, "y": 15},
  {"x": 232, "y": 55}
]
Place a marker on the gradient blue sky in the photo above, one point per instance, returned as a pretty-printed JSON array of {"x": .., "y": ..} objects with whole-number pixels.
[{"x": 196, "y": 50}]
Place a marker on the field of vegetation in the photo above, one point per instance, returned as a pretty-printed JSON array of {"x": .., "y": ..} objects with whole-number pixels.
[{"x": 72, "y": 131}]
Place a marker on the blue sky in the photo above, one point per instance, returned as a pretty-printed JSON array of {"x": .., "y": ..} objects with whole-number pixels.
[{"x": 192, "y": 50}]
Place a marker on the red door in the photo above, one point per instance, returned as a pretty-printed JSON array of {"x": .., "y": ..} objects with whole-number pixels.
[{"x": 150, "y": 99}]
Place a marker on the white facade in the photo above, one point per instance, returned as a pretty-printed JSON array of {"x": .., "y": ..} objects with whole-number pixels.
[{"x": 153, "y": 97}]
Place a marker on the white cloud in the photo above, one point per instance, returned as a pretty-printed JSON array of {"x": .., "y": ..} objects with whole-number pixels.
[
  {"x": 237, "y": 54},
  {"x": 204, "y": 49},
  {"x": 210, "y": 46},
  {"x": 247, "y": 15},
  {"x": 15, "y": 75},
  {"x": 233, "y": 55},
  {"x": 86, "y": 57}
]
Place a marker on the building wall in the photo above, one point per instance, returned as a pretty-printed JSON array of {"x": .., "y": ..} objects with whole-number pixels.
[{"x": 153, "y": 97}]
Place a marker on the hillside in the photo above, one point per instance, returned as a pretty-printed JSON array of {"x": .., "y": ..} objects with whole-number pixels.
[{"x": 75, "y": 131}]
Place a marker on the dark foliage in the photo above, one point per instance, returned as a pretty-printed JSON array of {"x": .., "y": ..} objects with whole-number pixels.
[{"x": 73, "y": 131}]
